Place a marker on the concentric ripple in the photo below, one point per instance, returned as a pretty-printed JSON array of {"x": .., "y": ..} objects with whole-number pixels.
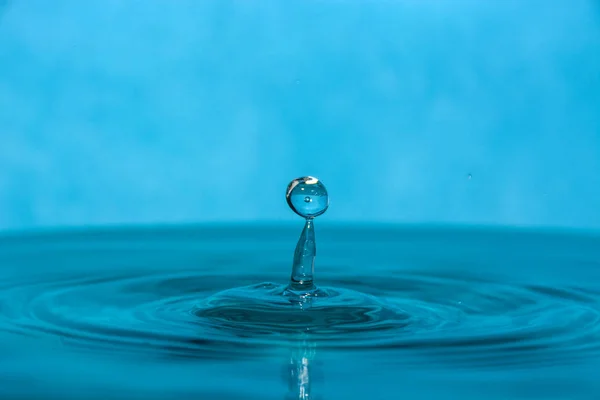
[
  {"x": 181, "y": 315},
  {"x": 219, "y": 310}
]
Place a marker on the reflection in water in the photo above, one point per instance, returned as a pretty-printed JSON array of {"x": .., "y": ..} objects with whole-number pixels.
[{"x": 300, "y": 370}]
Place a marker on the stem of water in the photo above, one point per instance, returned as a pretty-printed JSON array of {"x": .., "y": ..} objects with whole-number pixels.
[{"x": 303, "y": 268}]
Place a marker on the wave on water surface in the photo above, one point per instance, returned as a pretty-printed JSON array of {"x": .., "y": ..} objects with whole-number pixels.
[{"x": 194, "y": 300}]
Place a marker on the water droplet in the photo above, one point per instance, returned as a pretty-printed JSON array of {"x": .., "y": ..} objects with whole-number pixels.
[
  {"x": 469, "y": 177},
  {"x": 307, "y": 197}
]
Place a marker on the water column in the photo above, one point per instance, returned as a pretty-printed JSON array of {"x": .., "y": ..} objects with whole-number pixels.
[{"x": 307, "y": 197}]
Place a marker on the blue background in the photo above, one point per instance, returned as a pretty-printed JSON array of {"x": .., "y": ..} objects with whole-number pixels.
[{"x": 126, "y": 112}]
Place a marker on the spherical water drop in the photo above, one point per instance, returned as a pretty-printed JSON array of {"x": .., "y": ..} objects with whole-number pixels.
[{"x": 307, "y": 197}]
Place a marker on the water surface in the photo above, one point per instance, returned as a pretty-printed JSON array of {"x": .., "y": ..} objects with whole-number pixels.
[{"x": 197, "y": 312}]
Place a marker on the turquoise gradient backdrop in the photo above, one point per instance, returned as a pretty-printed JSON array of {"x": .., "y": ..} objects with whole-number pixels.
[{"x": 162, "y": 111}]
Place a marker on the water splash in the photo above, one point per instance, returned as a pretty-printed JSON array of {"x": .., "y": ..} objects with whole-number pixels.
[{"x": 307, "y": 197}]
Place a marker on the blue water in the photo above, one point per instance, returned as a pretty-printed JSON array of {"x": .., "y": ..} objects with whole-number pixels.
[{"x": 198, "y": 312}]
